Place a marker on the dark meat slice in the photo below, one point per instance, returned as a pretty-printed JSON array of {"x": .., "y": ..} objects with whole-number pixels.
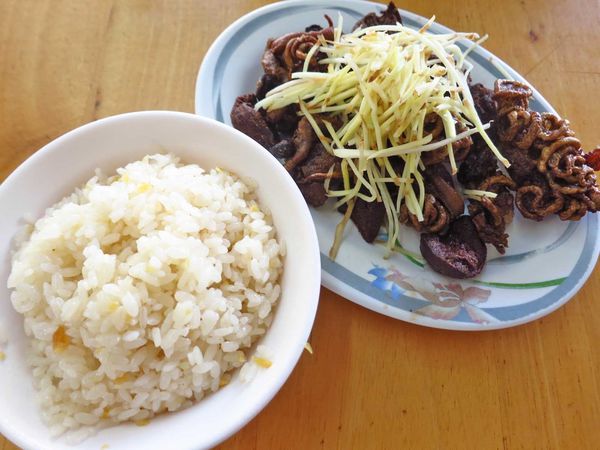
[
  {"x": 435, "y": 126},
  {"x": 491, "y": 216},
  {"x": 251, "y": 122},
  {"x": 458, "y": 254},
  {"x": 291, "y": 49},
  {"x": 523, "y": 169},
  {"x": 249, "y": 99},
  {"x": 438, "y": 182},
  {"x": 313, "y": 27},
  {"x": 283, "y": 120},
  {"x": 317, "y": 164},
  {"x": 483, "y": 99},
  {"x": 283, "y": 149},
  {"x": 312, "y": 173},
  {"x": 314, "y": 193},
  {"x": 390, "y": 16},
  {"x": 479, "y": 164},
  {"x": 266, "y": 83},
  {"x": 368, "y": 218},
  {"x": 462, "y": 147},
  {"x": 304, "y": 138},
  {"x": 435, "y": 216},
  {"x": 272, "y": 66}
]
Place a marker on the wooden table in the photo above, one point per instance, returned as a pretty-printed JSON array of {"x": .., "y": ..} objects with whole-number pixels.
[{"x": 373, "y": 382}]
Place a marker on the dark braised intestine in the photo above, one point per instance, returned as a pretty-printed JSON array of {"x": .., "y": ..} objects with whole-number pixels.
[
  {"x": 435, "y": 126},
  {"x": 287, "y": 53},
  {"x": 547, "y": 161},
  {"x": 390, "y": 16},
  {"x": 442, "y": 202},
  {"x": 435, "y": 216},
  {"x": 480, "y": 171},
  {"x": 491, "y": 216}
]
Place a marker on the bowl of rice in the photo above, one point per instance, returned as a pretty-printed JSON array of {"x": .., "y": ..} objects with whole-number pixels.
[{"x": 160, "y": 278}]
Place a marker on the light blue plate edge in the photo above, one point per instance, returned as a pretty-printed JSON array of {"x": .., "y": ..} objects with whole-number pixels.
[{"x": 336, "y": 277}]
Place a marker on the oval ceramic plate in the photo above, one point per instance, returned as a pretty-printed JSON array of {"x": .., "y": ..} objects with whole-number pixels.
[{"x": 544, "y": 266}]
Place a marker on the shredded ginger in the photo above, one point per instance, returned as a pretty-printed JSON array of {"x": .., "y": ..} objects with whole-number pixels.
[{"x": 383, "y": 81}]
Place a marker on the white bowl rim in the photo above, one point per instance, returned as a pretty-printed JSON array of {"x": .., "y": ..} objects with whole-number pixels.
[{"x": 21, "y": 437}]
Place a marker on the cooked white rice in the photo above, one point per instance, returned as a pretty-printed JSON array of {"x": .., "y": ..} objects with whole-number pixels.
[{"x": 143, "y": 291}]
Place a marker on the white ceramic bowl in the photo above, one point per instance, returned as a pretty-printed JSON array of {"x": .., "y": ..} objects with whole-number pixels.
[{"x": 70, "y": 160}]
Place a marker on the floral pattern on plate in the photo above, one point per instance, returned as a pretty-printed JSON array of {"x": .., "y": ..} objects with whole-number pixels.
[{"x": 445, "y": 300}]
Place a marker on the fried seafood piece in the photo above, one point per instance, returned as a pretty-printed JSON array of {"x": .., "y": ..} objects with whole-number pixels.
[
  {"x": 390, "y": 16},
  {"x": 548, "y": 164},
  {"x": 460, "y": 253}
]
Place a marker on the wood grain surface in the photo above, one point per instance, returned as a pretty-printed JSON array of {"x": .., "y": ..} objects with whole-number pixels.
[{"x": 373, "y": 382}]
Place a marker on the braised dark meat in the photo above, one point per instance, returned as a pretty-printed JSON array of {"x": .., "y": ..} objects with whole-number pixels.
[
  {"x": 313, "y": 27},
  {"x": 491, "y": 216},
  {"x": 289, "y": 51},
  {"x": 459, "y": 254},
  {"x": 549, "y": 172},
  {"x": 265, "y": 84},
  {"x": 390, "y": 16},
  {"x": 313, "y": 192},
  {"x": 284, "y": 149},
  {"x": 439, "y": 183},
  {"x": 522, "y": 168},
  {"x": 442, "y": 204},
  {"x": 310, "y": 176},
  {"x": 479, "y": 164},
  {"x": 317, "y": 165},
  {"x": 435, "y": 126},
  {"x": 283, "y": 120},
  {"x": 304, "y": 138},
  {"x": 483, "y": 100},
  {"x": 549, "y": 164},
  {"x": 368, "y": 218},
  {"x": 435, "y": 216},
  {"x": 250, "y": 121},
  {"x": 273, "y": 66}
]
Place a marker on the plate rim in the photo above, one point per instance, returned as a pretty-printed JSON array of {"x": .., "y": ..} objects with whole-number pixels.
[{"x": 329, "y": 280}]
